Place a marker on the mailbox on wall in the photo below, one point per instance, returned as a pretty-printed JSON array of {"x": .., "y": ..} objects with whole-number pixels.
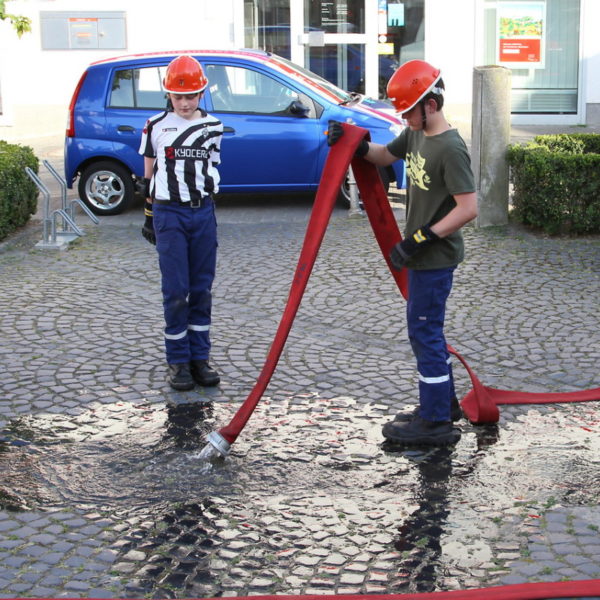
[{"x": 64, "y": 30}]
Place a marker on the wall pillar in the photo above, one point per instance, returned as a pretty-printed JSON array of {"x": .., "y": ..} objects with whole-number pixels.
[{"x": 490, "y": 137}]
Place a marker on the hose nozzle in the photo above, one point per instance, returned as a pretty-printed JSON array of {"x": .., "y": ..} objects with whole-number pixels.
[{"x": 219, "y": 443}]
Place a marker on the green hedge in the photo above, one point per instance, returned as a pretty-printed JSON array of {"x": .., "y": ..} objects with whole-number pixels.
[
  {"x": 18, "y": 194},
  {"x": 556, "y": 183}
]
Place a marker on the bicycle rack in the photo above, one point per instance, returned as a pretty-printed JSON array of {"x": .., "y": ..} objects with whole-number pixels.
[
  {"x": 69, "y": 207},
  {"x": 51, "y": 238}
]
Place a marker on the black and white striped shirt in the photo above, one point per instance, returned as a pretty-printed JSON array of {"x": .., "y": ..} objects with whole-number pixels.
[{"x": 187, "y": 153}]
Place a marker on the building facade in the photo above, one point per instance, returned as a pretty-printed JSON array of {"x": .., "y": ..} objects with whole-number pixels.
[{"x": 550, "y": 46}]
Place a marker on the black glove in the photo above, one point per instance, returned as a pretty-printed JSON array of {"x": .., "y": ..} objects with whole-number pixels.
[
  {"x": 148, "y": 227},
  {"x": 408, "y": 247},
  {"x": 335, "y": 131},
  {"x": 143, "y": 187}
]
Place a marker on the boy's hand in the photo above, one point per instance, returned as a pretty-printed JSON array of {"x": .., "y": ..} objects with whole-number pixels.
[
  {"x": 334, "y": 132},
  {"x": 148, "y": 227},
  {"x": 408, "y": 247}
]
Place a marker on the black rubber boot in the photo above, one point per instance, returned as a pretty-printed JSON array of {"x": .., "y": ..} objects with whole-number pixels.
[
  {"x": 420, "y": 432},
  {"x": 179, "y": 377},
  {"x": 204, "y": 374},
  {"x": 456, "y": 413}
]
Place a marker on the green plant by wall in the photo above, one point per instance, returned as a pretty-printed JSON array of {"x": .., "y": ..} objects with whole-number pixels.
[
  {"x": 556, "y": 183},
  {"x": 18, "y": 194}
]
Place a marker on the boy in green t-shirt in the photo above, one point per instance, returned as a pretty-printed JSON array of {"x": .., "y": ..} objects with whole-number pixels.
[{"x": 441, "y": 199}]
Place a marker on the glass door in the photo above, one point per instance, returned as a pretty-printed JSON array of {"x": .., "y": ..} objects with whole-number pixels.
[
  {"x": 337, "y": 39},
  {"x": 334, "y": 41}
]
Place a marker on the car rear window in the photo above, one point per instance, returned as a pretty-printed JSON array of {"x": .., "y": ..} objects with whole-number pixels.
[{"x": 138, "y": 88}]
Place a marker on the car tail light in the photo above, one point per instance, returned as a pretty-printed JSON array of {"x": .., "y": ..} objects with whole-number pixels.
[{"x": 71, "y": 118}]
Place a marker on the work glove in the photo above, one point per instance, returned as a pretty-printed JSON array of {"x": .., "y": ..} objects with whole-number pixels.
[
  {"x": 148, "y": 227},
  {"x": 335, "y": 131},
  {"x": 143, "y": 187},
  {"x": 408, "y": 247}
]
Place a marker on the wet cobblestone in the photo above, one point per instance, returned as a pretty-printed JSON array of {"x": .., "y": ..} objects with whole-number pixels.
[{"x": 101, "y": 490}]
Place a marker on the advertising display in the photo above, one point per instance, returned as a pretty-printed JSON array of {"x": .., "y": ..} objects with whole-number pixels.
[{"x": 521, "y": 32}]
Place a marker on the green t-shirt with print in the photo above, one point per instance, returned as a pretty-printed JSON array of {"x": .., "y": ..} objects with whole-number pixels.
[{"x": 437, "y": 168}]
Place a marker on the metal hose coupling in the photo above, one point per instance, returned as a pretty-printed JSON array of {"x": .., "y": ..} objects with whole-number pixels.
[{"x": 219, "y": 443}]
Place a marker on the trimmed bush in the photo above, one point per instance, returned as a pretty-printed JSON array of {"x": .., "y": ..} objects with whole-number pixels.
[
  {"x": 556, "y": 183},
  {"x": 18, "y": 194}
]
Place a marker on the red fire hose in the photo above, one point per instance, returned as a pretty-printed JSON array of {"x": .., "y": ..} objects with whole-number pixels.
[
  {"x": 589, "y": 588},
  {"x": 480, "y": 405},
  {"x": 523, "y": 591},
  {"x": 331, "y": 181}
]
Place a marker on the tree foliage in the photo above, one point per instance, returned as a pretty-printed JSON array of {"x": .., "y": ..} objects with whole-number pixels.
[{"x": 21, "y": 24}]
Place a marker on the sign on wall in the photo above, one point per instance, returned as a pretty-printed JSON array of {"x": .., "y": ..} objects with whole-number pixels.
[
  {"x": 65, "y": 30},
  {"x": 521, "y": 34}
]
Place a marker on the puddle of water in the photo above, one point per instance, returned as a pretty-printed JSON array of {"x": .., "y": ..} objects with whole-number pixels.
[
  {"x": 302, "y": 466},
  {"x": 146, "y": 452}
]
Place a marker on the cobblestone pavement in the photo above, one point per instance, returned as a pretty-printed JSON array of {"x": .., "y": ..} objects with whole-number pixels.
[{"x": 102, "y": 493}]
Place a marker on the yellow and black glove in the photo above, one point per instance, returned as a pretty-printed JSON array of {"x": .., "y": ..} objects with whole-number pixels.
[
  {"x": 408, "y": 247},
  {"x": 148, "y": 227}
]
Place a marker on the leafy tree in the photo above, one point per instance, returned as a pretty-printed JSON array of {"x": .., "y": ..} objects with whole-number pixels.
[{"x": 21, "y": 24}]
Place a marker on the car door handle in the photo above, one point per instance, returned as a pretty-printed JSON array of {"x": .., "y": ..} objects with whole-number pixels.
[
  {"x": 228, "y": 130},
  {"x": 125, "y": 128}
]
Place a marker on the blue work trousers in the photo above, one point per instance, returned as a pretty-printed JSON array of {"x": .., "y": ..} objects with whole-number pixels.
[
  {"x": 428, "y": 292},
  {"x": 186, "y": 241}
]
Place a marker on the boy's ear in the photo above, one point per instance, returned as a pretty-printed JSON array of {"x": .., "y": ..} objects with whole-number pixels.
[{"x": 434, "y": 104}]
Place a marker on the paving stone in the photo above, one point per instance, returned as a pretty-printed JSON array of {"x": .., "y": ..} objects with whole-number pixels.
[{"x": 357, "y": 370}]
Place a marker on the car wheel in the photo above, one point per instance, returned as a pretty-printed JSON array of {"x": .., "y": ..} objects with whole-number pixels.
[
  {"x": 106, "y": 187},
  {"x": 344, "y": 195}
]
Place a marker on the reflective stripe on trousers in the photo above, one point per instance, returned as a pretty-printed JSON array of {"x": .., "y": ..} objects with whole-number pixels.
[
  {"x": 186, "y": 241},
  {"x": 428, "y": 292}
]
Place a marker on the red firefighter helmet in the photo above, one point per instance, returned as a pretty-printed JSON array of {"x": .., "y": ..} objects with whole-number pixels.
[
  {"x": 184, "y": 76},
  {"x": 411, "y": 82}
]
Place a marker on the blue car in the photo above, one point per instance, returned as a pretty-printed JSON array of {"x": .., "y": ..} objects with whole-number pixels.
[{"x": 274, "y": 114}]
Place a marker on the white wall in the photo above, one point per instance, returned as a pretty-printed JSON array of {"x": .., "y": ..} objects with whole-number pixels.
[
  {"x": 454, "y": 43},
  {"x": 450, "y": 46},
  {"x": 591, "y": 50},
  {"x": 37, "y": 84}
]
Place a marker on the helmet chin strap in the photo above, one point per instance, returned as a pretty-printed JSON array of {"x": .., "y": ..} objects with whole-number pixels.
[
  {"x": 436, "y": 90},
  {"x": 423, "y": 114}
]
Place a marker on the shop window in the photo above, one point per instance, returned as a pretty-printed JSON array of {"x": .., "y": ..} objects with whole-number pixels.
[
  {"x": 335, "y": 16},
  {"x": 83, "y": 30},
  {"x": 267, "y": 26},
  {"x": 539, "y": 41},
  {"x": 406, "y": 29}
]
